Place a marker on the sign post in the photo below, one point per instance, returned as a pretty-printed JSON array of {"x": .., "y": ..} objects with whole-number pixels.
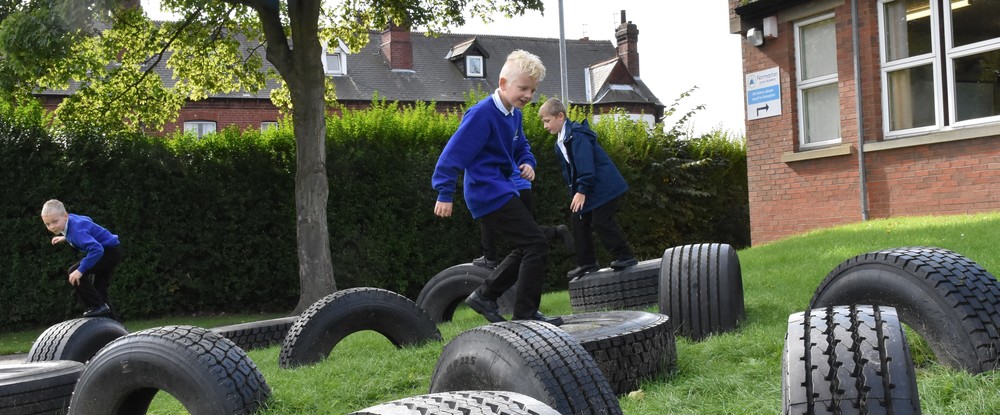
[{"x": 763, "y": 94}]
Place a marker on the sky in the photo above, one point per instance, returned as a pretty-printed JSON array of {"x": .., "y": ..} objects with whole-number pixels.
[{"x": 681, "y": 45}]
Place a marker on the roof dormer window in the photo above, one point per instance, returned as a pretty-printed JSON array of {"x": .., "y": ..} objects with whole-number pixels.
[
  {"x": 474, "y": 67},
  {"x": 335, "y": 61},
  {"x": 470, "y": 58}
]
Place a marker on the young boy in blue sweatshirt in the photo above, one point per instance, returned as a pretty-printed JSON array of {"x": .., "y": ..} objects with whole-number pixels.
[
  {"x": 595, "y": 185},
  {"x": 91, "y": 277},
  {"x": 489, "y": 146}
]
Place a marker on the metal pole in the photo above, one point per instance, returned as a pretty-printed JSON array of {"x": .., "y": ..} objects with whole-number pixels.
[
  {"x": 564, "y": 83},
  {"x": 862, "y": 177}
]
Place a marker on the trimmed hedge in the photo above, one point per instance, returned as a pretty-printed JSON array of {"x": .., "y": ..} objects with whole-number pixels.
[{"x": 209, "y": 225}]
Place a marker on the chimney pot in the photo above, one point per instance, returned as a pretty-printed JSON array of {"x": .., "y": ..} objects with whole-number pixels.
[
  {"x": 397, "y": 47},
  {"x": 628, "y": 45}
]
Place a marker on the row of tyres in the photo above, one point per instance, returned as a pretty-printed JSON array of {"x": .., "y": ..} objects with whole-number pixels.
[{"x": 847, "y": 353}]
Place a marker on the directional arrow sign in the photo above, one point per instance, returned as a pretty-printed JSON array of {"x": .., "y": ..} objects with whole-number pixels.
[{"x": 763, "y": 94}]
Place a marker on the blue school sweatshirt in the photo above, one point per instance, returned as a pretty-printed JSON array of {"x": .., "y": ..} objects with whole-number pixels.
[
  {"x": 86, "y": 236},
  {"x": 488, "y": 146}
]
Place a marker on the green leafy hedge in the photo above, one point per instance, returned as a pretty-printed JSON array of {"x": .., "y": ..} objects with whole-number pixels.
[{"x": 209, "y": 225}]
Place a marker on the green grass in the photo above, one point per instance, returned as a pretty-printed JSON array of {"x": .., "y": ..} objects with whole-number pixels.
[{"x": 732, "y": 373}]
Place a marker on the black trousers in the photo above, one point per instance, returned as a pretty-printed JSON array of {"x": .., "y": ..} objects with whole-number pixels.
[
  {"x": 488, "y": 236},
  {"x": 92, "y": 291},
  {"x": 602, "y": 221},
  {"x": 525, "y": 265}
]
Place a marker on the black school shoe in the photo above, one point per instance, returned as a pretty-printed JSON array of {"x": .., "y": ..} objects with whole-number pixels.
[
  {"x": 487, "y": 308},
  {"x": 620, "y": 264},
  {"x": 484, "y": 262},
  {"x": 582, "y": 270},
  {"x": 555, "y": 321},
  {"x": 98, "y": 311}
]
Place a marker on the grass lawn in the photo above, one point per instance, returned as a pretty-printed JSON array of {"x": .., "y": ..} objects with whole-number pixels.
[{"x": 732, "y": 373}]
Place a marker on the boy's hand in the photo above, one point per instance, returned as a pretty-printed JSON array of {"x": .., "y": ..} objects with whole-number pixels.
[
  {"x": 577, "y": 204},
  {"x": 74, "y": 277},
  {"x": 443, "y": 209},
  {"x": 527, "y": 172},
  {"x": 58, "y": 239}
]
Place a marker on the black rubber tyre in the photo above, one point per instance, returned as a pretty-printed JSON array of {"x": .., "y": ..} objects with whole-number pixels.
[
  {"x": 701, "y": 289},
  {"x": 205, "y": 372},
  {"x": 463, "y": 403},
  {"x": 442, "y": 295},
  {"x": 338, "y": 315},
  {"x": 78, "y": 339},
  {"x": 947, "y": 298},
  {"x": 631, "y": 288},
  {"x": 528, "y": 357},
  {"x": 628, "y": 346},
  {"x": 847, "y": 360},
  {"x": 38, "y": 387},
  {"x": 257, "y": 334}
]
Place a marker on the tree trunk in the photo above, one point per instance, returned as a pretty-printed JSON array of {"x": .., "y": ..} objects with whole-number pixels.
[
  {"x": 302, "y": 70},
  {"x": 311, "y": 195}
]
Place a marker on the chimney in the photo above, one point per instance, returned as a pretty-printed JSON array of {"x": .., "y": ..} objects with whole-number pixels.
[
  {"x": 397, "y": 48},
  {"x": 628, "y": 45}
]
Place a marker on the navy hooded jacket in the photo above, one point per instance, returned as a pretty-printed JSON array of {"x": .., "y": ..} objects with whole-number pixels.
[{"x": 589, "y": 170}]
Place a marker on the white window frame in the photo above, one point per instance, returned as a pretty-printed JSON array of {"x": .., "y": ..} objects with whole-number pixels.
[
  {"x": 961, "y": 52},
  {"x": 339, "y": 53},
  {"x": 266, "y": 125},
  {"x": 908, "y": 63},
  {"x": 468, "y": 66},
  {"x": 200, "y": 128},
  {"x": 803, "y": 85},
  {"x": 943, "y": 77}
]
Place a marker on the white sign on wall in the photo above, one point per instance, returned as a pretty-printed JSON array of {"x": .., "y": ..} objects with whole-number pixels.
[{"x": 763, "y": 94}]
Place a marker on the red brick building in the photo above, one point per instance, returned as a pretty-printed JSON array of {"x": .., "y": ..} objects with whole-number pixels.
[
  {"x": 868, "y": 109},
  {"x": 404, "y": 66}
]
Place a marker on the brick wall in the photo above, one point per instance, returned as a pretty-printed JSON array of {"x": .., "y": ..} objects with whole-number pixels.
[
  {"x": 944, "y": 178},
  {"x": 791, "y": 197},
  {"x": 787, "y": 198},
  {"x": 243, "y": 113}
]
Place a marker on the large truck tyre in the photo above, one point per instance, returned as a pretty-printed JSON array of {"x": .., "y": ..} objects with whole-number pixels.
[
  {"x": 257, "y": 334},
  {"x": 701, "y": 289},
  {"x": 447, "y": 290},
  {"x": 847, "y": 360},
  {"x": 462, "y": 403},
  {"x": 336, "y": 316},
  {"x": 632, "y": 288},
  {"x": 945, "y": 297},
  {"x": 527, "y": 357},
  {"x": 628, "y": 346},
  {"x": 78, "y": 339},
  {"x": 205, "y": 372},
  {"x": 37, "y": 387}
]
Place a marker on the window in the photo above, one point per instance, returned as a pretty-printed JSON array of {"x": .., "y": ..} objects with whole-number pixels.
[
  {"x": 474, "y": 66},
  {"x": 335, "y": 61},
  {"x": 935, "y": 78},
  {"x": 816, "y": 73},
  {"x": 199, "y": 128},
  {"x": 268, "y": 125}
]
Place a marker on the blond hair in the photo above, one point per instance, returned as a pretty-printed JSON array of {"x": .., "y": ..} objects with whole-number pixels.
[
  {"x": 523, "y": 62},
  {"x": 53, "y": 207},
  {"x": 552, "y": 106}
]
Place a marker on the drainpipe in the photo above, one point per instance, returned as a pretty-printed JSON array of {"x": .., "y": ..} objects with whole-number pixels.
[{"x": 857, "y": 107}]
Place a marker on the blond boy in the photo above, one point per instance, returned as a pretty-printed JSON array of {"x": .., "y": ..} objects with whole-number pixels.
[{"x": 488, "y": 146}]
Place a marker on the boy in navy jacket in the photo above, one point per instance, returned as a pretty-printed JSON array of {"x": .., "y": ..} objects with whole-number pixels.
[
  {"x": 489, "y": 146},
  {"x": 92, "y": 275},
  {"x": 594, "y": 184}
]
